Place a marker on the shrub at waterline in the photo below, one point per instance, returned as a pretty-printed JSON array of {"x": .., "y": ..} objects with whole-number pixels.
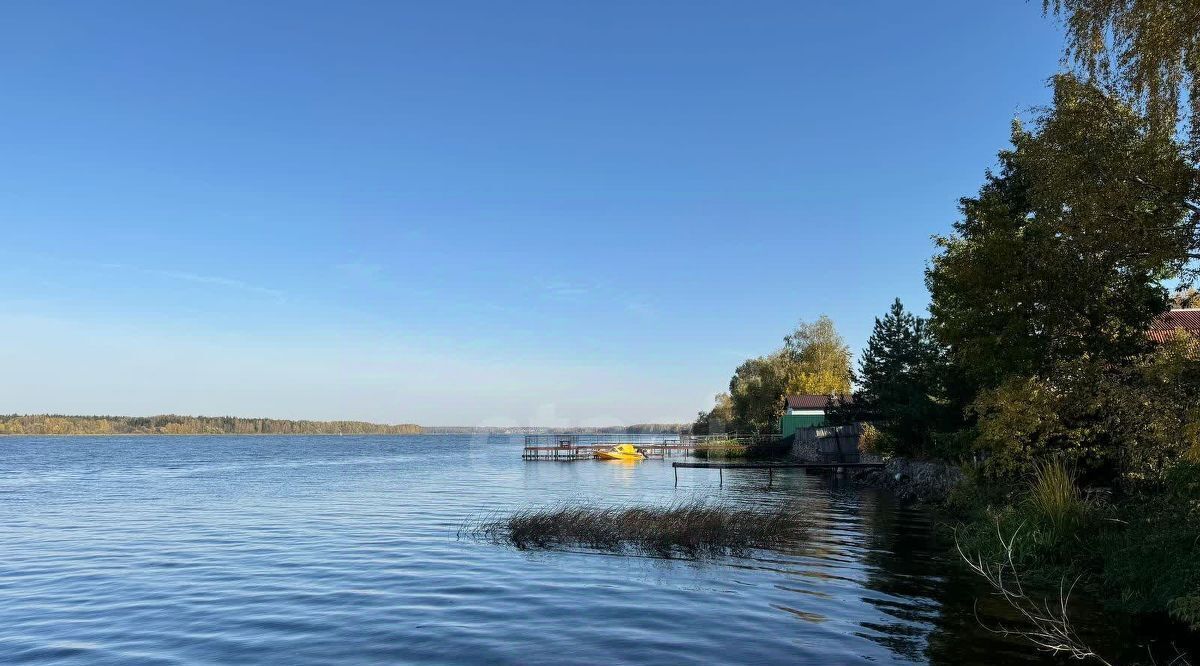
[
  {"x": 1150, "y": 549},
  {"x": 1140, "y": 554}
]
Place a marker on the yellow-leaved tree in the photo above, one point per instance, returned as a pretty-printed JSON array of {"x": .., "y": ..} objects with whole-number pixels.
[
  {"x": 814, "y": 360},
  {"x": 818, "y": 359}
]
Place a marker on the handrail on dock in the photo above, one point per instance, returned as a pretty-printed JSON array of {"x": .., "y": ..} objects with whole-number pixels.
[
  {"x": 585, "y": 451},
  {"x": 576, "y": 446}
]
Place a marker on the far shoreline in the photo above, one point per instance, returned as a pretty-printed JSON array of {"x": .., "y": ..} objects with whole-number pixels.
[
  {"x": 63, "y": 425},
  {"x": 308, "y": 434}
]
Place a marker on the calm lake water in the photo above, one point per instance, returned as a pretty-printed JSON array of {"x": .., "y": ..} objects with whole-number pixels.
[{"x": 307, "y": 550}]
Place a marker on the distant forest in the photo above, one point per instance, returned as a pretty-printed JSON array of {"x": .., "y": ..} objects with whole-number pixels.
[
  {"x": 171, "y": 424},
  {"x": 635, "y": 429}
]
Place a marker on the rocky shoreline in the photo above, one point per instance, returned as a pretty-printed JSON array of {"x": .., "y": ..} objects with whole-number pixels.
[{"x": 914, "y": 480}]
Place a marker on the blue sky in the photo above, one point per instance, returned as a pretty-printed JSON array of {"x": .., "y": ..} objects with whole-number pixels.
[{"x": 548, "y": 213}]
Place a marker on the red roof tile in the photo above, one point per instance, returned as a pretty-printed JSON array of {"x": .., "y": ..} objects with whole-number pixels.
[
  {"x": 810, "y": 401},
  {"x": 1165, "y": 325}
]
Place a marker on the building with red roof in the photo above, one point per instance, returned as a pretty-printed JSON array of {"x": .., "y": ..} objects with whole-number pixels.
[{"x": 1178, "y": 319}]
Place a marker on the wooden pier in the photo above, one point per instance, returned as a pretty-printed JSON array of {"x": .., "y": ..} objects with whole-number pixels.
[
  {"x": 771, "y": 467},
  {"x": 580, "y": 452},
  {"x": 569, "y": 446}
]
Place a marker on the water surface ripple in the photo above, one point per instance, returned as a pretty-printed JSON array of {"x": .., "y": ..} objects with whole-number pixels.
[{"x": 313, "y": 550}]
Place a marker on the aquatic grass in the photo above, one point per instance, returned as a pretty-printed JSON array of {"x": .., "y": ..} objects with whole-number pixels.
[
  {"x": 753, "y": 449},
  {"x": 690, "y": 529},
  {"x": 1051, "y": 519},
  {"x": 1055, "y": 498},
  {"x": 721, "y": 449}
]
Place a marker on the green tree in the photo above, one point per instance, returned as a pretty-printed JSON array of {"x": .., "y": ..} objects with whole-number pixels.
[
  {"x": 717, "y": 420},
  {"x": 756, "y": 393},
  {"x": 1062, "y": 253},
  {"x": 1044, "y": 292},
  {"x": 900, "y": 382},
  {"x": 1147, "y": 49},
  {"x": 814, "y": 360}
]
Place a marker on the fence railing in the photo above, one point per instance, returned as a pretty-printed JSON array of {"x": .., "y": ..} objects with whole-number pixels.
[
  {"x": 567, "y": 440},
  {"x": 729, "y": 439},
  {"x": 814, "y": 444},
  {"x": 580, "y": 446}
]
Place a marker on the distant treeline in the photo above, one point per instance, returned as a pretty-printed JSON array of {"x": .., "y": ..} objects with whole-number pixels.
[
  {"x": 635, "y": 429},
  {"x": 171, "y": 424},
  {"x": 643, "y": 428}
]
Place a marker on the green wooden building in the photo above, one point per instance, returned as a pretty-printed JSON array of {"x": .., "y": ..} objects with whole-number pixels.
[{"x": 802, "y": 411}]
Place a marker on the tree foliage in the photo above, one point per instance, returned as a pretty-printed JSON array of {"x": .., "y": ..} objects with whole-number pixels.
[
  {"x": 756, "y": 392},
  {"x": 717, "y": 420},
  {"x": 1061, "y": 254},
  {"x": 813, "y": 360},
  {"x": 172, "y": 424},
  {"x": 1148, "y": 49},
  {"x": 1186, "y": 298},
  {"x": 901, "y": 382},
  {"x": 817, "y": 359},
  {"x": 1044, "y": 293}
]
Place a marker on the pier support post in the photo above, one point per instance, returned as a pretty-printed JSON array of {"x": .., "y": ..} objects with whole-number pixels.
[
  {"x": 676, "y": 475},
  {"x": 722, "y": 471}
]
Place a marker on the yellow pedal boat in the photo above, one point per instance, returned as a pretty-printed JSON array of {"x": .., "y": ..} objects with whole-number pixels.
[{"x": 620, "y": 452}]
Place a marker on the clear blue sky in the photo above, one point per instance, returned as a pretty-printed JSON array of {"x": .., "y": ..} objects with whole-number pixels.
[{"x": 549, "y": 213}]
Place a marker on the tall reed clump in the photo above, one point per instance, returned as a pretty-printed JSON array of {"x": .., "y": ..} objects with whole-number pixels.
[
  {"x": 1041, "y": 538},
  {"x": 726, "y": 448},
  {"x": 1055, "y": 500},
  {"x": 870, "y": 441},
  {"x": 1048, "y": 520},
  {"x": 690, "y": 529}
]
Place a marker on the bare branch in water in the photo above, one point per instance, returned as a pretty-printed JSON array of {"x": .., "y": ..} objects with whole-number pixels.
[{"x": 1049, "y": 627}]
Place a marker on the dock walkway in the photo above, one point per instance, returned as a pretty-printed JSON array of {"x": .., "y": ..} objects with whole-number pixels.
[
  {"x": 771, "y": 467},
  {"x": 566, "y": 447}
]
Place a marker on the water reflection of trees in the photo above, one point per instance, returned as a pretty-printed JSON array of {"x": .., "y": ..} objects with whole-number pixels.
[
  {"x": 919, "y": 603},
  {"x": 930, "y": 598}
]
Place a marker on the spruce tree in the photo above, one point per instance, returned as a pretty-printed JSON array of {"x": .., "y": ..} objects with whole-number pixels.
[{"x": 900, "y": 381}]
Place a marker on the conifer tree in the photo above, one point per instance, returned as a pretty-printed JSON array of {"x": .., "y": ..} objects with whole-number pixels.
[{"x": 900, "y": 381}]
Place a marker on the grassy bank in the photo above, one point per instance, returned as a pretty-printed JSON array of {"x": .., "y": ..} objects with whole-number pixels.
[
  {"x": 689, "y": 529},
  {"x": 1138, "y": 553}
]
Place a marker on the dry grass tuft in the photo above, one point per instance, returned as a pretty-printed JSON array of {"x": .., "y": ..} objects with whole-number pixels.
[
  {"x": 1054, "y": 496},
  {"x": 690, "y": 529}
]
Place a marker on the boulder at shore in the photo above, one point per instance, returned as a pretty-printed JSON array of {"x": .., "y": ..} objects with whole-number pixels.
[{"x": 914, "y": 480}]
